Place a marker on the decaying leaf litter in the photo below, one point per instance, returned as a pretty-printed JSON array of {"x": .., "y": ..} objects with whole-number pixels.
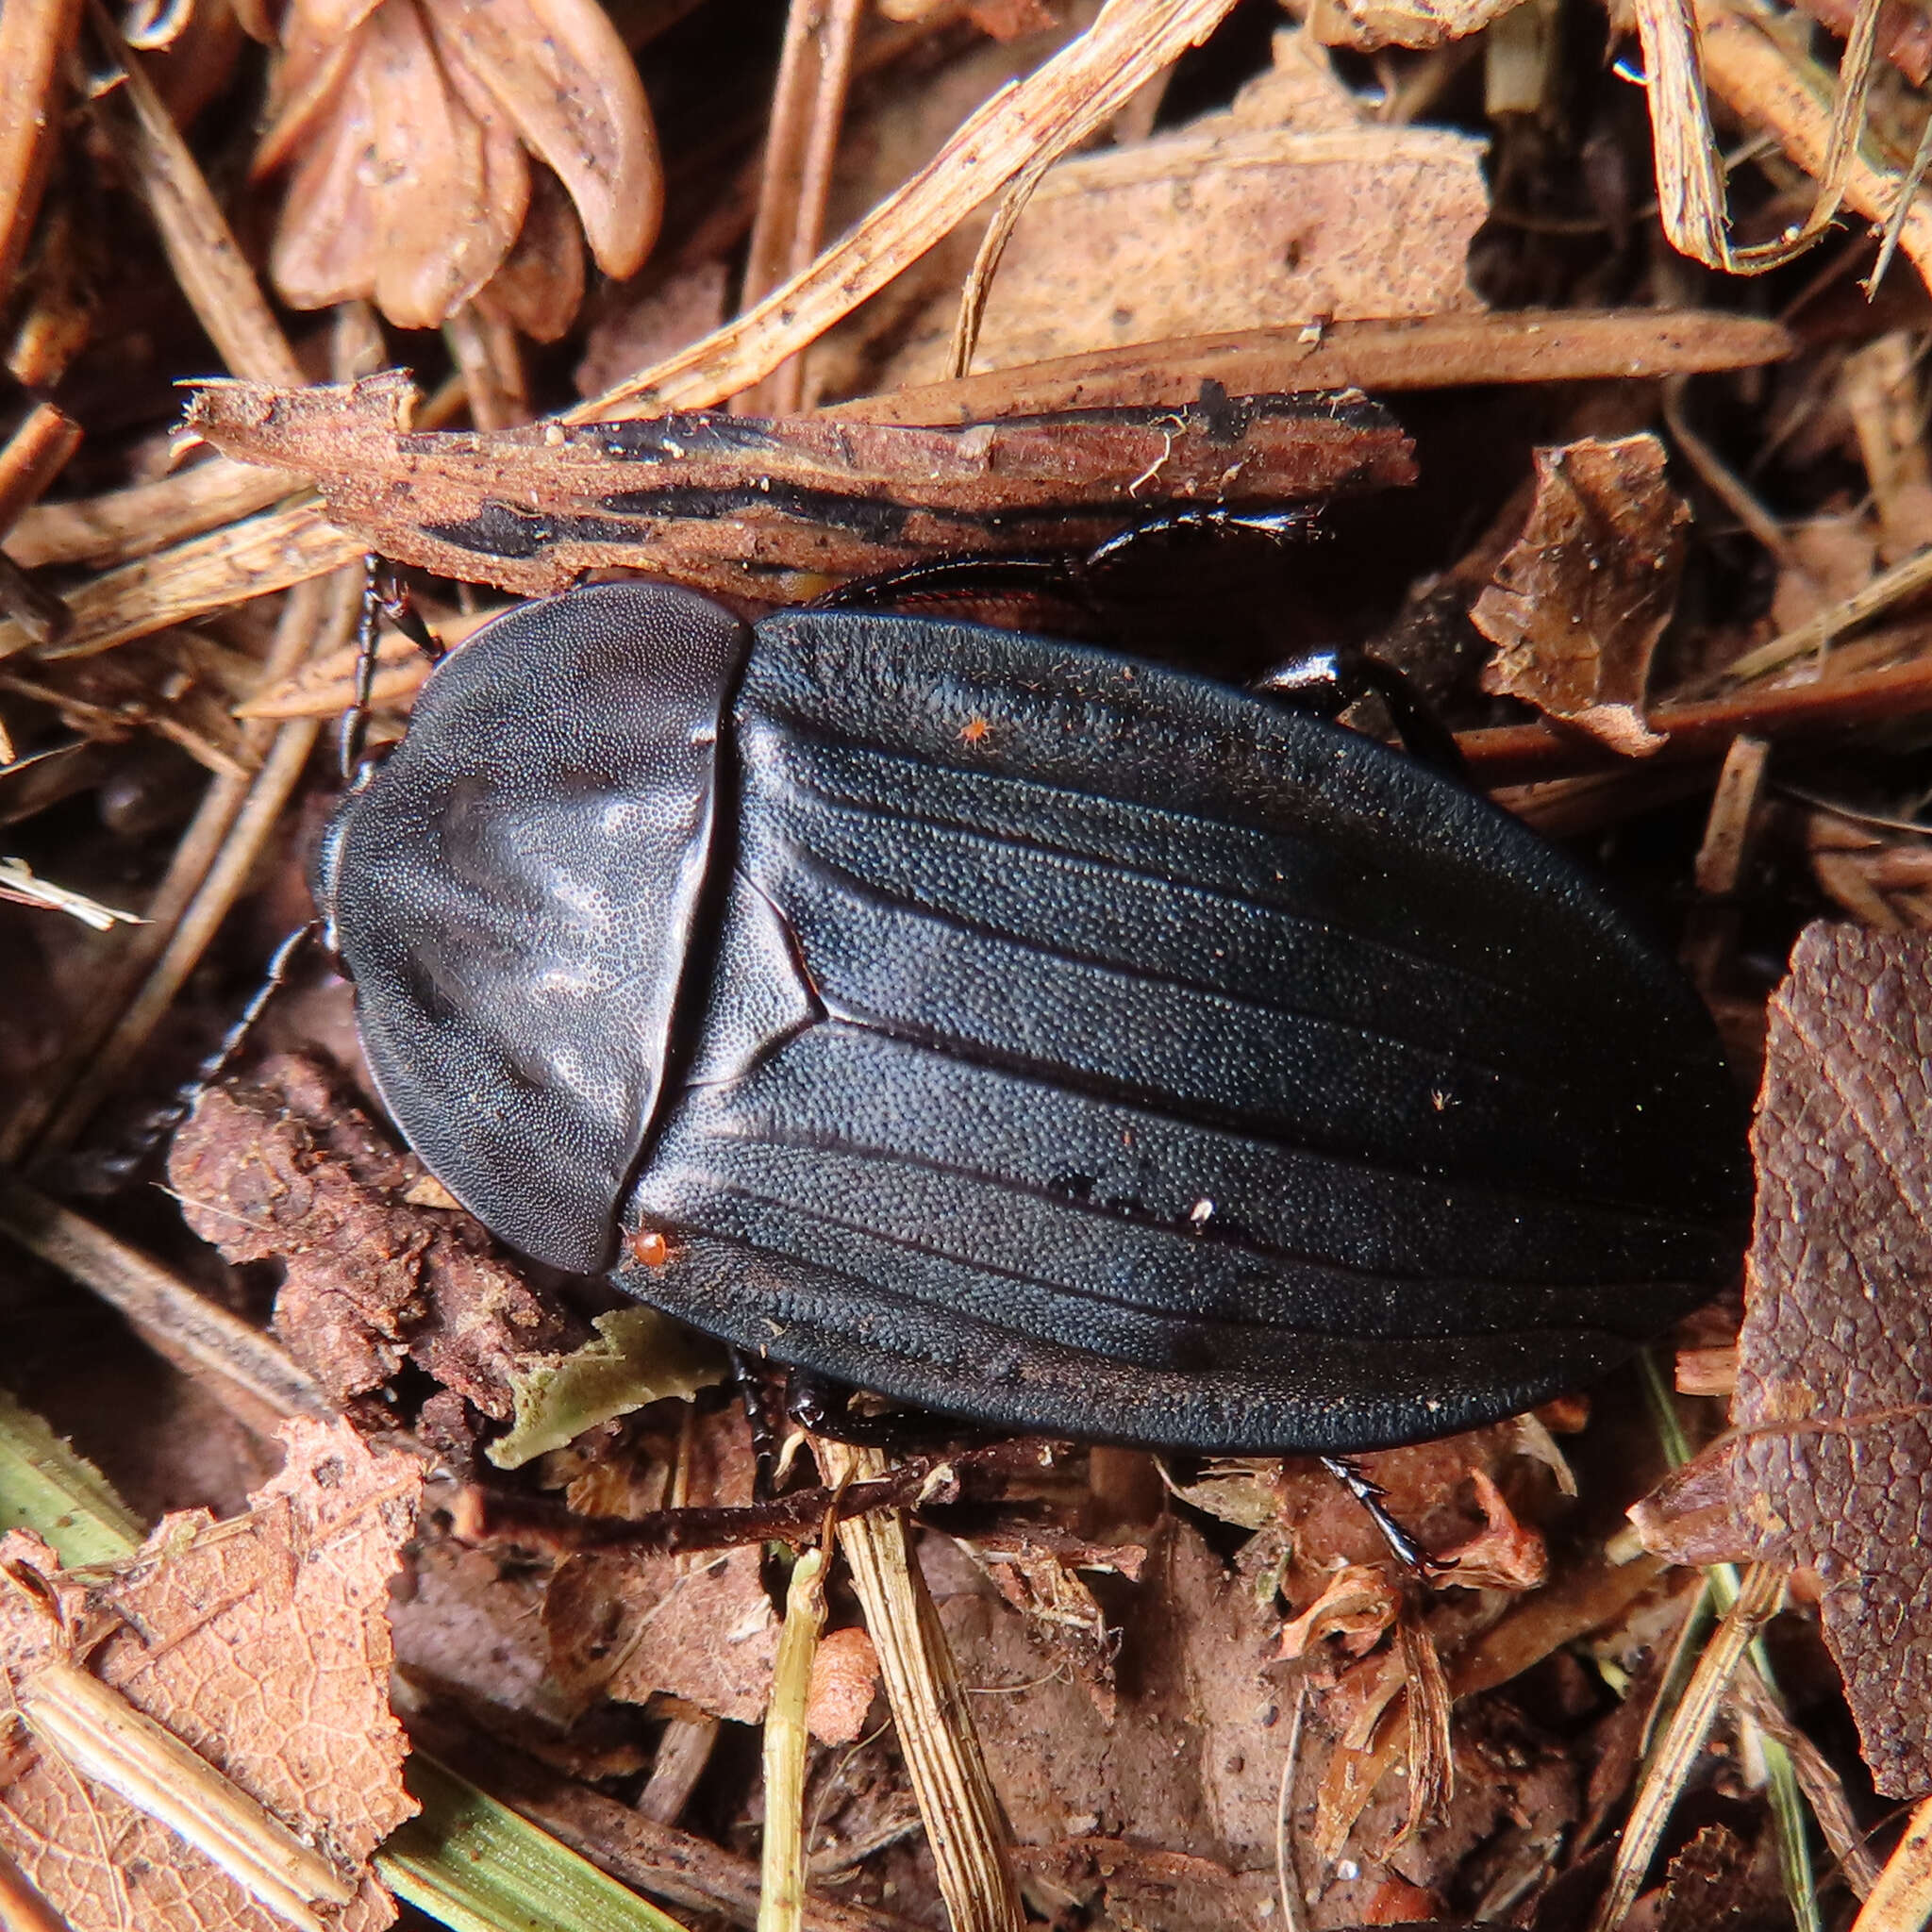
[{"x": 1607, "y": 445}]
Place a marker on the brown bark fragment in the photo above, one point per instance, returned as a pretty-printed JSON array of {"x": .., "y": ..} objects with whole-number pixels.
[
  {"x": 1829, "y": 1463},
  {"x": 284, "y": 1170},
  {"x": 779, "y": 509},
  {"x": 1577, "y": 606}
]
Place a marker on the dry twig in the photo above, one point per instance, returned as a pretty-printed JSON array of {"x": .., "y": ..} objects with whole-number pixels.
[{"x": 1095, "y": 76}]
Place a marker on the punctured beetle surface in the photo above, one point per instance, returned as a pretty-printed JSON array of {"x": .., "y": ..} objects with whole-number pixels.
[{"x": 1040, "y": 1036}]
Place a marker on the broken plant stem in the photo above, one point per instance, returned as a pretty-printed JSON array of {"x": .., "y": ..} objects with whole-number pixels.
[
  {"x": 286, "y": 546},
  {"x": 1895, "y": 222},
  {"x": 211, "y": 268},
  {"x": 196, "y": 850},
  {"x": 34, "y": 455},
  {"x": 807, "y": 109},
  {"x": 655, "y": 1858},
  {"x": 964, "y": 1825},
  {"x": 36, "y": 40},
  {"x": 986, "y": 263},
  {"x": 108, "y": 1741},
  {"x": 1723, "y": 1588},
  {"x": 781, "y": 1868},
  {"x": 46, "y": 1486},
  {"x": 1729, "y": 489},
  {"x": 1757, "y": 1600},
  {"x": 1904, "y": 579},
  {"x": 120, "y": 525},
  {"x": 1768, "y": 86},
  {"x": 469, "y": 1860},
  {"x": 254, "y": 821},
  {"x": 491, "y": 1516}
]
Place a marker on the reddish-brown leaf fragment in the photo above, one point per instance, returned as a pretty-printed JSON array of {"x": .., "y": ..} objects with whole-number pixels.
[
  {"x": 263, "y": 1644},
  {"x": 1830, "y": 1464},
  {"x": 1577, "y": 606},
  {"x": 285, "y": 1170},
  {"x": 453, "y": 182}
]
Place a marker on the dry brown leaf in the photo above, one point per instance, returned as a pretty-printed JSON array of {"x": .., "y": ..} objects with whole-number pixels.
[
  {"x": 632, "y": 1626},
  {"x": 1043, "y": 1584},
  {"x": 285, "y": 1168},
  {"x": 844, "y": 1676},
  {"x": 565, "y": 80},
  {"x": 541, "y": 284},
  {"x": 408, "y": 124},
  {"x": 1579, "y": 603},
  {"x": 1360, "y": 1605},
  {"x": 1223, "y": 227},
  {"x": 1506, "y": 1554},
  {"x": 263, "y": 1644},
  {"x": 1830, "y": 1464},
  {"x": 1190, "y": 1768},
  {"x": 452, "y": 183}
]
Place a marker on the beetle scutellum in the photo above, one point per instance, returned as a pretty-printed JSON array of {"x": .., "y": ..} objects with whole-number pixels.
[{"x": 1034, "y": 1034}]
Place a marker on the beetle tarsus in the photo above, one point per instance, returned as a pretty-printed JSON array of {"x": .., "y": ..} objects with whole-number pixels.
[
  {"x": 747, "y": 1374},
  {"x": 1371, "y": 1495}
]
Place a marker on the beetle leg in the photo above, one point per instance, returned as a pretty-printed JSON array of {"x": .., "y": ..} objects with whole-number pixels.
[
  {"x": 1370, "y": 1493},
  {"x": 976, "y": 571},
  {"x": 1328, "y": 679},
  {"x": 383, "y": 595},
  {"x": 1279, "y": 526},
  {"x": 747, "y": 1372}
]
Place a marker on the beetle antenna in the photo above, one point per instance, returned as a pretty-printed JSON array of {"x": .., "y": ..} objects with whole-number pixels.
[
  {"x": 116, "y": 1167},
  {"x": 1371, "y": 1495},
  {"x": 384, "y": 595},
  {"x": 221, "y": 1063}
]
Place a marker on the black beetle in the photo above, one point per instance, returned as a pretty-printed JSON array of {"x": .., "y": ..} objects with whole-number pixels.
[{"x": 1052, "y": 1039}]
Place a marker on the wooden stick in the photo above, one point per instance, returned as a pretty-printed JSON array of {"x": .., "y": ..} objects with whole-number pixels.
[
  {"x": 807, "y": 109},
  {"x": 34, "y": 454},
  {"x": 964, "y": 1825},
  {"x": 36, "y": 37}
]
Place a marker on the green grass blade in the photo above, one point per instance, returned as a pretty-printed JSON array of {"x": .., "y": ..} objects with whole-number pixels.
[
  {"x": 1789, "y": 1811},
  {"x": 49, "y": 1489},
  {"x": 476, "y": 1866}
]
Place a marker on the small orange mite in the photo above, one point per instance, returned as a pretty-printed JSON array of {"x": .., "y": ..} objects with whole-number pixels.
[
  {"x": 649, "y": 1248},
  {"x": 973, "y": 731}
]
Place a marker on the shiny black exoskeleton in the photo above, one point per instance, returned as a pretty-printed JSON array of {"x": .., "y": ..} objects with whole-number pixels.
[{"x": 1045, "y": 1038}]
